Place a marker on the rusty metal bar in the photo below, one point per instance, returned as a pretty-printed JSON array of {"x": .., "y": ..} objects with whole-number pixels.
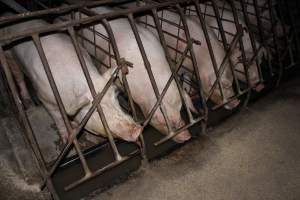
[
  {"x": 83, "y": 21},
  {"x": 123, "y": 63},
  {"x": 195, "y": 66},
  {"x": 58, "y": 99},
  {"x": 225, "y": 43},
  {"x": 148, "y": 69},
  {"x": 85, "y": 119},
  {"x": 98, "y": 172},
  {"x": 15, "y": 6},
  {"x": 252, "y": 37},
  {"x": 223, "y": 64},
  {"x": 210, "y": 49},
  {"x": 94, "y": 93},
  {"x": 275, "y": 41},
  {"x": 26, "y": 124},
  {"x": 171, "y": 64},
  {"x": 170, "y": 136}
]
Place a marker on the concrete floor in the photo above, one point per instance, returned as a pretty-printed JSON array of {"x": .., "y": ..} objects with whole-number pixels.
[{"x": 253, "y": 155}]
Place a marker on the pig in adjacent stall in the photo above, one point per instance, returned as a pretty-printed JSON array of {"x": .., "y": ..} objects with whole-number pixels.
[
  {"x": 230, "y": 29},
  {"x": 139, "y": 82},
  {"x": 71, "y": 83},
  {"x": 266, "y": 15},
  {"x": 204, "y": 62}
]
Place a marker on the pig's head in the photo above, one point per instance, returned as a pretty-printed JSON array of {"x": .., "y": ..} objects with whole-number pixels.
[
  {"x": 253, "y": 70},
  {"x": 226, "y": 81},
  {"x": 173, "y": 107},
  {"x": 121, "y": 124}
]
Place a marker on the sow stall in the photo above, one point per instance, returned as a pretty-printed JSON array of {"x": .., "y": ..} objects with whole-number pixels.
[{"x": 74, "y": 169}]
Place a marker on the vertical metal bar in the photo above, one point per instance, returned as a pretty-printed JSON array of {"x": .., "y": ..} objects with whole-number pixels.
[
  {"x": 225, "y": 44},
  {"x": 210, "y": 49},
  {"x": 28, "y": 129},
  {"x": 261, "y": 34},
  {"x": 83, "y": 122},
  {"x": 117, "y": 155},
  {"x": 171, "y": 64},
  {"x": 196, "y": 69},
  {"x": 58, "y": 99},
  {"x": 149, "y": 71},
  {"x": 121, "y": 64},
  {"x": 275, "y": 40}
]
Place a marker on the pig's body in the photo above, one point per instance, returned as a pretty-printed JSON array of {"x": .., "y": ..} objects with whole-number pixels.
[
  {"x": 264, "y": 16},
  {"x": 230, "y": 31},
  {"x": 204, "y": 63},
  {"x": 138, "y": 79},
  {"x": 71, "y": 84}
]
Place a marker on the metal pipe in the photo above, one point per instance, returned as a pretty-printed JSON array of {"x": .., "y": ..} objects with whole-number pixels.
[{"x": 26, "y": 124}]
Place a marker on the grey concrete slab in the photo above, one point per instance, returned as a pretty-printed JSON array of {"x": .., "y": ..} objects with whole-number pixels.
[{"x": 253, "y": 155}]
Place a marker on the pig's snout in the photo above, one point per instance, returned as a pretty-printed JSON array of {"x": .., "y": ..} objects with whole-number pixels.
[
  {"x": 133, "y": 133},
  {"x": 232, "y": 104},
  {"x": 259, "y": 87},
  {"x": 182, "y": 137}
]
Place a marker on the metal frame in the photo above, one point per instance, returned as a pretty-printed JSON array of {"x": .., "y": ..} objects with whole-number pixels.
[{"x": 70, "y": 26}]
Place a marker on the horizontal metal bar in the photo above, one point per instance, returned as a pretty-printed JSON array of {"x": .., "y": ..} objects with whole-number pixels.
[
  {"x": 100, "y": 171},
  {"x": 83, "y": 21}
]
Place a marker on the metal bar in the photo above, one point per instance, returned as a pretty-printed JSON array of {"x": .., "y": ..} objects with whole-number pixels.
[
  {"x": 196, "y": 70},
  {"x": 210, "y": 49},
  {"x": 252, "y": 37},
  {"x": 78, "y": 22},
  {"x": 15, "y": 6},
  {"x": 123, "y": 64},
  {"x": 195, "y": 66},
  {"x": 94, "y": 93},
  {"x": 85, "y": 119},
  {"x": 98, "y": 172},
  {"x": 58, "y": 99},
  {"x": 171, "y": 64},
  {"x": 170, "y": 136},
  {"x": 223, "y": 64},
  {"x": 26, "y": 124},
  {"x": 224, "y": 41},
  {"x": 148, "y": 69}
]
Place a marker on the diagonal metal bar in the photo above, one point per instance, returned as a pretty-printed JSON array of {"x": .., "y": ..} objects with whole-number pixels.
[
  {"x": 225, "y": 42},
  {"x": 195, "y": 67},
  {"x": 24, "y": 120},
  {"x": 38, "y": 44},
  {"x": 148, "y": 69},
  {"x": 209, "y": 45},
  {"x": 224, "y": 61},
  {"x": 94, "y": 93},
  {"x": 171, "y": 63},
  {"x": 123, "y": 64},
  {"x": 85, "y": 119}
]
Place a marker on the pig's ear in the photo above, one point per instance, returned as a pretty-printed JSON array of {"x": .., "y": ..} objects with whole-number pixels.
[{"x": 189, "y": 103}]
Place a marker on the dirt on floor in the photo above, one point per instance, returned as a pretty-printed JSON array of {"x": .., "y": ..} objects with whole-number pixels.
[{"x": 251, "y": 156}]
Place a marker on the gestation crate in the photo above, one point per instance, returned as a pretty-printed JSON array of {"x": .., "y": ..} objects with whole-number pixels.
[{"x": 121, "y": 82}]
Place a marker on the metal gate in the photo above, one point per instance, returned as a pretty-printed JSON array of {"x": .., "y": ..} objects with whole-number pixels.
[{"x": 238, "y": 57}]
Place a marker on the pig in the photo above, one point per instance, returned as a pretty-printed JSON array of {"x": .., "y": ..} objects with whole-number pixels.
[
  {"x": 230, "y": 31},
  {"x": 204, "y": 64},
  {"x": 265, "y": 13},
  {"x": 71, "y": 84},
  {"x": 138, "y": 79}
]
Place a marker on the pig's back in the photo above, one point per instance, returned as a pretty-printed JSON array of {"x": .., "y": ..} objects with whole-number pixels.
[{"x": 64, "y": 65}]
